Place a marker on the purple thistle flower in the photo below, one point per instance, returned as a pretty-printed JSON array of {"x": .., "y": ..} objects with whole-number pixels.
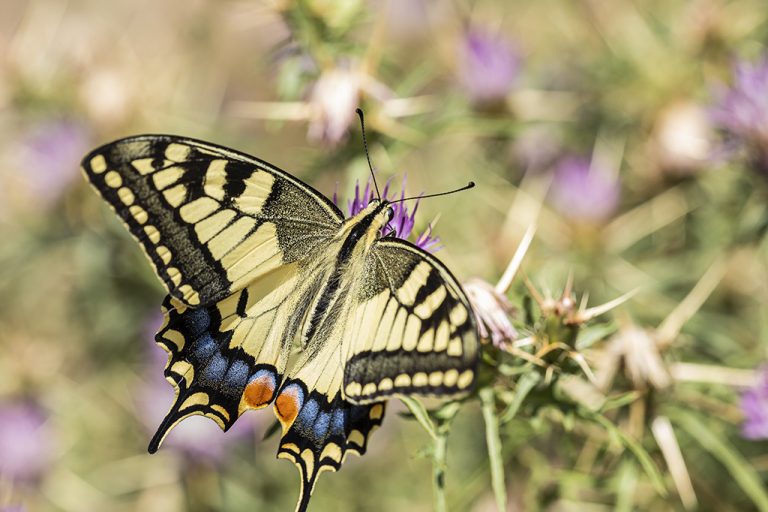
[
  {"x": 25, "y": 442},
  {"x": 403, "y": 220},
  {"x": 489, "y": 66},
  {"x": 50, "y": 154},
  {"x": 584, "y": 191},
  {"x": 741, "y": 110},
  {"x": 754, "y": 405}
]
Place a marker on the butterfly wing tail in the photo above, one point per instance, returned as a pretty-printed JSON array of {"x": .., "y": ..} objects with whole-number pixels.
[{"x": 319, "y": 432}]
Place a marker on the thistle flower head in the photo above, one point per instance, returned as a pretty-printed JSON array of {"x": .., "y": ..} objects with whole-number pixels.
[
  {"x": 638, "y": 352},
  {"x": 25, "y": 443},
  {"x": 682, "y": 138},
  {"x": 754, "y": 405},
  {"x": 741, "y": 110},
  {"x": 403, "y": 220},
  {"x": 583, "y": 190},
  {"x": 333, "y": 100},
  {"x": 489, "y": 66},
  {"x": 492, "y": 311},
  {"x": 50, "y": 151}
]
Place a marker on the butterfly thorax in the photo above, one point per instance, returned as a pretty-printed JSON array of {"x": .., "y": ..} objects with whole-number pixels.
[{"x": 344, "y": 265}]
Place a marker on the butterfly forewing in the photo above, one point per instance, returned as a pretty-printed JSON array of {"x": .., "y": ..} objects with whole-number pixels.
[{"x": 210, "y": 219}]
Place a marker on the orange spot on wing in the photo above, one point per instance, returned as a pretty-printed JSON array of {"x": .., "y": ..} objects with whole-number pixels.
[
  {"x": 259, "y": 392},
  {"x": 288, "y": 404}
]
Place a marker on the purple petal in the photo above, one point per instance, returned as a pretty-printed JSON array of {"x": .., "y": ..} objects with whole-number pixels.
[
  {"x": 488, "y": 66},
  {"x": 754, "y": 405},
  {"x": 25, "y": 442},
  {"x": 51, "y": 154},
  {"x": 742, "y": 108},
  {"x": 403, "y": 220},
  {"x": 583, "y": 191}
]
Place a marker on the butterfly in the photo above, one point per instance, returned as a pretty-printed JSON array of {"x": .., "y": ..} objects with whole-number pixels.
[{"x": 275, "y": 298}]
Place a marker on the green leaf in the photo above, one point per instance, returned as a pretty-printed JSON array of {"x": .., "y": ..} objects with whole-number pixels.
[
  {"x": 738, "y": 467},
  {"x": 619, "y": 401},
  {"x": 420, "y": 413},
  {"x": 493, "y": 439},
  {"x": 591, "y": 335},
  {"x": 524, "y": 386},
  {"x": 642, "y": 456}
]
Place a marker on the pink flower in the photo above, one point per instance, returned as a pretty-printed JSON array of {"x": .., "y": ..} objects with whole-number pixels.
[
  {"x": 754, "y": 405},
  {"x": 333, "y": 101},
  {"x": 50, "y": 154},
  {"x": 741, "y": 110},
  {"x": 583, "y": 190},
  {"x": 25, "y": 442},
  {"x": 489, "y": 66}
]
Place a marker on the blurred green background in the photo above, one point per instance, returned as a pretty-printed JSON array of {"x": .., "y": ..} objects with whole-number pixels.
[{"x": 634, "y": 135}]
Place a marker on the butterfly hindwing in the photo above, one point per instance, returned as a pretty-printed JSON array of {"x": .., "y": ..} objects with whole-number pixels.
[
  {"x": 322, "y": 432},
  {"x": 209, "y": 218},
  {"x": 230, "y": 356},
  {"x": 412, "y": 332}
]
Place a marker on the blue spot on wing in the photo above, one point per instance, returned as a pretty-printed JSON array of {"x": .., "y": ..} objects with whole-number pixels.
[
  {"x": 338, "y": 420},
  {"x": 322, "y": 423},
  {"x": 214, "y": 371},
  {"x": 203, "y": 348},
  {"x": 308, "y": 412},
  {"x": 235, "y": 379},
  {"x": 197, "y": 321}
]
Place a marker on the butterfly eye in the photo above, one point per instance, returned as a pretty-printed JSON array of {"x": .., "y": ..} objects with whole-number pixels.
[{"x": 390, "y": 213}]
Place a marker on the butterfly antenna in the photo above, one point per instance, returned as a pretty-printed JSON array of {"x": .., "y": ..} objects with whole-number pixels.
[
  {"x": 468, "y": 186},
  {"x": 367, "y": 156}
]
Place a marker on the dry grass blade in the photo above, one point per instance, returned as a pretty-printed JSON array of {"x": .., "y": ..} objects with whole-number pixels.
[
  {"x": 505, "y": 282},
  {"x": 670, "y": 448},
  {"x": 671, "y": 326}
]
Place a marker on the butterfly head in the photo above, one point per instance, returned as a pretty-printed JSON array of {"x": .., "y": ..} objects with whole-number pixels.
[
  {"x": 371, "y": 221},
  {"x": 379, "y": 212}
]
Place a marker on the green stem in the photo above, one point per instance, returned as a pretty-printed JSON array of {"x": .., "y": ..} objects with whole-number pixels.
[
  {"x": 493, "y": 438},
  {"x": 438, "y": 471},
  {"x": 443, "y": 420}
]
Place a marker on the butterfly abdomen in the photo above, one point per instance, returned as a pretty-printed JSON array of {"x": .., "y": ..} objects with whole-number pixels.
[{"x": 353, "y": 241}]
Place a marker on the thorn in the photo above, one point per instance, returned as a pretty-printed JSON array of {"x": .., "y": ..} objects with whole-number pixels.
[
  {"x": 527, "y": 356},
  {"x": 584, "y": 301},
  {"x": 589, "y": 314},
  {"x": 548, "y": 375},
  {"x": 534, "y": 292},
  {"x": 524, "y": 342},
  {"x": 582, "y": 362},
  {"x": 568, "y": 286}
]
